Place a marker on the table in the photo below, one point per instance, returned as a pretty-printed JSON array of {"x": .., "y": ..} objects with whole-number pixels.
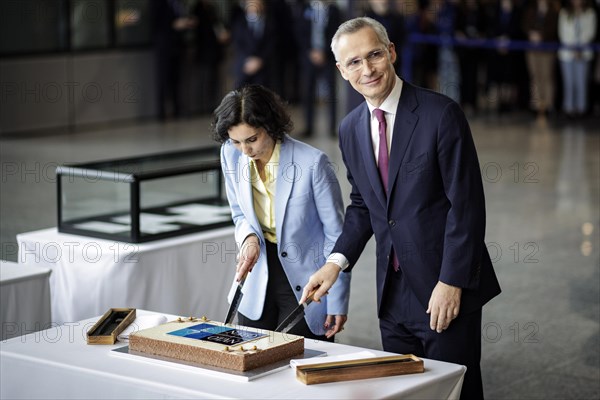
[
  {"x": 58, "y": 364},
  {"x": 185, "y": 275},
  {"x": 24, "y": 299}
]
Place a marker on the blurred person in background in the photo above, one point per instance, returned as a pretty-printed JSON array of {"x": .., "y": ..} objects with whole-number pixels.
[
  {"x": 315, "y": 23},
  {"x": 576, "y": 30},
  {"x": 469, "y": 26},
  {"x": 285, "y": 76},
  {"x": 503, "y": 64},
  {"x": 171, "y": 21},
  {"x": 254, "y": 38},
  {"x": 410, "y": 53},
  {"x": 540, "y": 24},
  {"x": 448, "y": 66},
  {"x": 211, "y": 39}
]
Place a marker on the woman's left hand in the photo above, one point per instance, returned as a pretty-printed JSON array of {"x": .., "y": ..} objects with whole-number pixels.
[{"x": 334, "y": 324}]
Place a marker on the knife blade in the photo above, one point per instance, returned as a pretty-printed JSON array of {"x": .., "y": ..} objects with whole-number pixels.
[
  {"x": 235, "y": 303},
  {"x": 295, "y": 316}
]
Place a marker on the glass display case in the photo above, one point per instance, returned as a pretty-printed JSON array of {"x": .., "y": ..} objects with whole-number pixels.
[{"x": 143, "y": 198}]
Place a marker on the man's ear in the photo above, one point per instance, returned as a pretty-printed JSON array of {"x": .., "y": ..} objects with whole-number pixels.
[
  {"x": 342, "y": 72},
  {"x": 393, "y": 54}
]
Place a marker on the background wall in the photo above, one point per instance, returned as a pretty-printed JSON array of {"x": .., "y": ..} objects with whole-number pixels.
[{"x": 58, "y": 91}]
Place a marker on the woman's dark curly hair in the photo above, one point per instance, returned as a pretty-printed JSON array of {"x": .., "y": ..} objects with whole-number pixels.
[{"x": 256, "y": 106}]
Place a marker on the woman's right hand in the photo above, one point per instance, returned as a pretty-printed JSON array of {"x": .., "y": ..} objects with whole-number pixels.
[{"x": 248, "y": 257}]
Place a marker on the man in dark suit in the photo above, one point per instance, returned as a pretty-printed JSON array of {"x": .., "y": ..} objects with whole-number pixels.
[
  {"x": 170, "y": 24},
  {"x": 423, "y": 199},
  {"x": 254, "y": 40}
]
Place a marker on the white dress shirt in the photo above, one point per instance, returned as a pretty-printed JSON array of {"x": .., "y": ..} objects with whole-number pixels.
[{"x": 389, "y": 106}]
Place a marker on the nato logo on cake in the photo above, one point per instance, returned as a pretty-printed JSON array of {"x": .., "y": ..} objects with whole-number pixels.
[{"x": 217, "y": 334}]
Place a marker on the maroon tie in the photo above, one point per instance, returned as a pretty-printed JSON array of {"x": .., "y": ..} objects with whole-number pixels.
[
  {"x": 383, "y": 158},
  {"x": 383, "y": 163}
]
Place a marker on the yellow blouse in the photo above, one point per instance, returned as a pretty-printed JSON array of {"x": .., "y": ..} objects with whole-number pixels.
[{"x": 263, "y": 194}]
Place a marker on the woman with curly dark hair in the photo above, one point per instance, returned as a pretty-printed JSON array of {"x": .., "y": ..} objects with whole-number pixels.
[{"x": 287, "y": 209}]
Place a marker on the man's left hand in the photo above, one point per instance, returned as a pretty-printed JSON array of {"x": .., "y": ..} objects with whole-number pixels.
[
  {"x": 334, "y": 324},
  {"x": 444, "y": 306}
]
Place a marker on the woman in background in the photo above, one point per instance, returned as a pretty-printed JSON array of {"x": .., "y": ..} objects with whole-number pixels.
[{"x": 576, "y": 30}]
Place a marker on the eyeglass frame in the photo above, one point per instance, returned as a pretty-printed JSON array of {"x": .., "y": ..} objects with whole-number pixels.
[{"x": 368, "y": 58}]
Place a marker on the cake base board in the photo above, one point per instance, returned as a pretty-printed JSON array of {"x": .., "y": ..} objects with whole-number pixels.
[{"x": 243, "y": 376}]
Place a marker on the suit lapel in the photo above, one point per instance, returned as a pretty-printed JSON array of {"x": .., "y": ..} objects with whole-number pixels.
[
  {"x": 286, "y": 176},
  {"x": 365, "y": 147},
  {"x": 404, "y": 127}
]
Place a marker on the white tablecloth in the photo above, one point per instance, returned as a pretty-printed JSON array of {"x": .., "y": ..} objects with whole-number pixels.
[
  {"x": 186, "y": 275},
  {"x": 58, "y": 364},
  {"x": 24, "y": 299}
]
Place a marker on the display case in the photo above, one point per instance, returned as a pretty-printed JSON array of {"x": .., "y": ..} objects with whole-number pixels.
[{"x": 143, "y": 198}]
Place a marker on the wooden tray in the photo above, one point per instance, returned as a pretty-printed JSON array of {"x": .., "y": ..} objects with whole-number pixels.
[
  {"x": 359, "y": 369},
  {"x": 113, "y": 322}
]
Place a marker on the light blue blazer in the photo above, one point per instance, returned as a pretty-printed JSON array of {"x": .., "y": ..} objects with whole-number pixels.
[{"x": 308, "y": 216}]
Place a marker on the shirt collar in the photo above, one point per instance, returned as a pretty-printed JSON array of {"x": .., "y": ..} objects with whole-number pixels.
[
  {"x": 390, "y": 104},
  {"x": 272, "y": 164}
]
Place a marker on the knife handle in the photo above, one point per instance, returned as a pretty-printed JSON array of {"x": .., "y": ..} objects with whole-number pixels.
[{"x": 310, "y": 297}]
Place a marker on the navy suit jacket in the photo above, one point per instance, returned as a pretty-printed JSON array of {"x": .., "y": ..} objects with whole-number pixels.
[{"x": 434, "y": 211}]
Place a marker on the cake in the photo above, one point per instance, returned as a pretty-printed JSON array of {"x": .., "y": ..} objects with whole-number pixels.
[{"x": 199, "y": 341}]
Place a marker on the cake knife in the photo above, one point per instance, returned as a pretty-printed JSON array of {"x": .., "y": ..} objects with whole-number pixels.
[
  {"x": 295, "y": 316},
  {"x": 235, "y": 303}
]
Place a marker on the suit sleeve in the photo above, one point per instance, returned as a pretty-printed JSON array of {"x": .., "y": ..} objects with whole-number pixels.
[
  {"x": 328, "y": 200},
  {"x": 357, "y": 228},
  {"x": 465, "y": 222},
  {"x": 230, "y": 172}
]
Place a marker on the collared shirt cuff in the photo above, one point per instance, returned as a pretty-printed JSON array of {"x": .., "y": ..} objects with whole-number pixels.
[{"x": 339, "y": 259}]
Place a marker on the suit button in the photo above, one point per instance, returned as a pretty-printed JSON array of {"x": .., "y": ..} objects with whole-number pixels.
[
  {"x": 298, "y": 288},
  {"x": 284, "y": 254},
  {"x": 391, "y": 222}
]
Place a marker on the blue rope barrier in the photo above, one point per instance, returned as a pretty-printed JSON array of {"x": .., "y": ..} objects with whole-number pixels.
[{"x": 497, "y": 44}]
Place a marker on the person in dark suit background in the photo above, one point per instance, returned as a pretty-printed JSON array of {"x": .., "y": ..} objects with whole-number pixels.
[
  {"x": 254, "y": 37},
  {"x": 505, "y": 68},
  {"x": 211, "y": 39},
  {"x": 423, "y": 199},
  {"x": 170, "y": 23},
  {"x": 315, "y": 24},
  {"x": 284, "y": 78}
]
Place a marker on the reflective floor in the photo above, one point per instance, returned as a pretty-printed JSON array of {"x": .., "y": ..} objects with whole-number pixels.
[{"x": 541, "y": 336}]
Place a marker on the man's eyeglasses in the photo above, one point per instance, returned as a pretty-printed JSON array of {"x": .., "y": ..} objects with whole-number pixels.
[{"x": 374, "y": 57}]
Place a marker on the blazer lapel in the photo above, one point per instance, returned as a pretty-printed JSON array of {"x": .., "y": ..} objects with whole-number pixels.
[
  {"x": 404, "y": 127},
  {"x": 365, "y": 147},
  {"x": 286, "y": 175}
]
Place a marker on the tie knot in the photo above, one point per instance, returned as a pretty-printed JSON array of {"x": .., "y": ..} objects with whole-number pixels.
[{"x": 379, "y": 114}]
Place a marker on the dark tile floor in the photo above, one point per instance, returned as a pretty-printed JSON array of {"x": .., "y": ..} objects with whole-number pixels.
[{"x": 541, "y": 336}]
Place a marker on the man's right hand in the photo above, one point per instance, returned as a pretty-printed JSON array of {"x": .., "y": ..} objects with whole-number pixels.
[{"x": 322, "y": 281}]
